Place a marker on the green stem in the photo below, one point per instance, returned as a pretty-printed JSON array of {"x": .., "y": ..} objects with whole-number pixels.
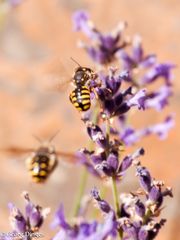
[
  {"x": 115, "y": 196},
  {"x": 114, "y": 186},
  {"x": 84, "y": 175},
  {"x": 107, "y": 133},
  {"x": 116, "y": 203},
  {"x": 147, "y": 216},
  {"x": 83, "y": 181}
]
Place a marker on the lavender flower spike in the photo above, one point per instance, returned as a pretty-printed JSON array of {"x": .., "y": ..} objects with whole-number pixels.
[{"x": 138, "y": 99}]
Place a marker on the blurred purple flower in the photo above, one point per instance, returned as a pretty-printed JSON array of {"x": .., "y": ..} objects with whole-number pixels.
[
  {"x": 84, "y": 230},
  {"x": 130, "y": 136},
  {"x": 84, "y": 157},
  {"x": 31, "y": 221},
  {"x": 158, "y": 99},
  {"x": 17, "y": 220},
  {"x": 159, "y": 70},
  {"x": 137, "y": 58},
  {"x": 14, "y": 3},
  {"x": 103, "y": 46}
]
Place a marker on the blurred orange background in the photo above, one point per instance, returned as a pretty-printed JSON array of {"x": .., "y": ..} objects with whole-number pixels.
[{"x": 36, "y": 43}]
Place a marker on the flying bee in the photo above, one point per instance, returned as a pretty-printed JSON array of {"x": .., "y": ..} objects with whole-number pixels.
[
  {"x": 42, "y": 161},
  {"x": 80, "y": 96}
]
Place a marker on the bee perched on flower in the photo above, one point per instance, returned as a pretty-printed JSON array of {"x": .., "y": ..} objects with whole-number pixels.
[
  {"x": 82, "y": 79},
  {"x": 122, "y": 89},
  {"x": 117, "y": 92}
]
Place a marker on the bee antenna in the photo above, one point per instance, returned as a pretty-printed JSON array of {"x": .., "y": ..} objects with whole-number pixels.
[
  {"x": 37, "y": 138},
  {"x": 75, "y": 61},
  {"x": 53, "y": 136}
]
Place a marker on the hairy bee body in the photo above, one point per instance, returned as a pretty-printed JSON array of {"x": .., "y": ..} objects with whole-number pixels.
[
  {"x": 41, "y": 164},
  {"x": 80, "y": 98}
]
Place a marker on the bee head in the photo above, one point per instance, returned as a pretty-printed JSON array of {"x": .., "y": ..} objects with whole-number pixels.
[
  {"x": 83, "y": 75},
  {"x": 46, "y": 148}
]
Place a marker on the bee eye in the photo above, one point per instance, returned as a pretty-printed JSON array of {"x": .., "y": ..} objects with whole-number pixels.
[{"x": 78, "y": 76}]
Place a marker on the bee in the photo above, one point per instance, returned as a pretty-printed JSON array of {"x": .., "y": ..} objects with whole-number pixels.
[
  {"x": 80, "y": 96},
  {"x": 42, "y": 161}
]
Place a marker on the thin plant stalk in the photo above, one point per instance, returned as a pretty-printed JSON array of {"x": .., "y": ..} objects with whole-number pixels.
[{"x": 84, "y": 175}]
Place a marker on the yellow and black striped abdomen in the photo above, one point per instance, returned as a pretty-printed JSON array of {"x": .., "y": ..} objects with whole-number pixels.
[
  {"x": 80, "y": 98},
  {"x": 39, "y": 168}
]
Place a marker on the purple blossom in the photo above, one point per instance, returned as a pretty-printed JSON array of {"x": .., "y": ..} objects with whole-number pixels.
[
  {"x": 96, "y": 134},
  {"x": 17, "y": 220},
  {"x": 157, "y": 194},
  {"x": 158, "y": 99},
  {"x": 138, "y": 99},
  {"x": 103, "y": 47},
  {"x": 128, "y": 160},
  {"x": 114, "y": 100},
  {"x": 84, "y": 230},
  {"x": 81, "y": 22},
  {"x": 130, "y": 136},
  {"x": 162, "y": 129},
  {"x": 31, "y": 221},
  {"x": 144, "y": 178},
  {"x": 85, "y": 157},
  {"x": 140, "y": 208},
  {"x": 137, "y": 58},
  {"x": 163, "y": 70},
  {"x": 103, "y": 205},
  {"x": 34, "y": 213}
]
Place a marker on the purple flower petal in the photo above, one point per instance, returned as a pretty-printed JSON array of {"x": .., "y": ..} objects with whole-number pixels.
[
  {"x": 162, "y": 129},
  {"x": 140, "y": 208},
  {"x": 104, "y": 206},
  {"x": 59, "y": 219},
  {"x": 130, "y": 136},
  {"x": 138, "y": 52},
  {"x": 127, "y": 161},
  {"x": 138, "y": 99},
  {"x": 113, "y": 161},
  {"x": 143, "y": 234},
  {"x": 17, "y": 219},
  {"x": 159, "y": 70},
  {"x": 144, "y": 178},
  {"x": 96, "y": 134},
  {"x": 158, "y": 99},
  {"x": 81, "y": 22},
  {"x": 148, "y": 61}
]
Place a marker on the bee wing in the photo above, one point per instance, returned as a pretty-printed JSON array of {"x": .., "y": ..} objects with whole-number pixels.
[
  {"x": 70, "y": 157},
  {"x": 16, "y": 150},
  {"x": 58, "y": 75}
]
